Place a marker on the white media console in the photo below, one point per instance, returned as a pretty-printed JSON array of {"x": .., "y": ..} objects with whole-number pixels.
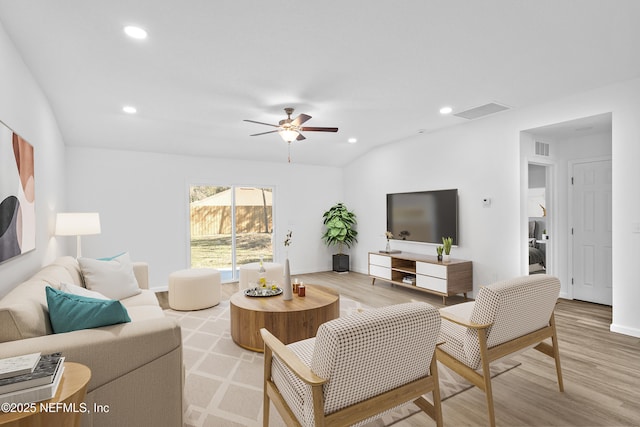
[{"x": 422, "y": 272}]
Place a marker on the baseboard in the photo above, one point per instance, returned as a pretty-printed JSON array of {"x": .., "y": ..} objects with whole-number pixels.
[{"x": 634, "y": 332}]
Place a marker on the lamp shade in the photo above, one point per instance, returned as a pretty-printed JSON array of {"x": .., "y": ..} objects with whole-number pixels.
[
  {"x": 77, "y": 224},
  {"x": 288, "y": 135}
]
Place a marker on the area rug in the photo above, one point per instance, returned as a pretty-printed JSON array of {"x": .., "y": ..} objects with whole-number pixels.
[{"x": 223, "y": 385}]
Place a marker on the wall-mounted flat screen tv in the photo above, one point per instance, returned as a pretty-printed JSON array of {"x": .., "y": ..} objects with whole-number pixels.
[{"x": 423, "y": 216}]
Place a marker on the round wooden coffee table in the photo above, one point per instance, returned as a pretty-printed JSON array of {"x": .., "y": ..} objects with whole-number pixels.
[{"x": 289, "y": 321}]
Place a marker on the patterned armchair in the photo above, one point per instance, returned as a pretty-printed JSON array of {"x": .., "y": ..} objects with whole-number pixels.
[
  {"x": 357, "y": 368},
  {"x": 506, "y": 317}
]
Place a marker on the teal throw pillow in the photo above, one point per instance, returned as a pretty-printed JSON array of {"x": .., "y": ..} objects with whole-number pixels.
[{"x": 69, "y": 312}]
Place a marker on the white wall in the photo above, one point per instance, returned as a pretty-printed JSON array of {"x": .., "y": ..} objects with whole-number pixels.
[
  {"x": 483, "y": 159},
  {"x": 25, "y": 109},
  {"x": 469, "y": 158},
  {"x": 143, "y": 201}
]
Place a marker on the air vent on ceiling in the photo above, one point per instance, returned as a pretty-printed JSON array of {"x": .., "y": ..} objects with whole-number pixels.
[
  {"x": 542, "y": 149},
  {"x": 481, "y": 111}
]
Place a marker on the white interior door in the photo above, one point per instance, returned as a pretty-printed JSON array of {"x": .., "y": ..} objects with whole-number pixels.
[{"x": 591, "y": 222}]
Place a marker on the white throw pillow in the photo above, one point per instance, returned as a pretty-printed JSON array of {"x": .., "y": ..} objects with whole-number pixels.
[
  {"x": 112, "y": 278},
  {"x": 80, "y": 291}
]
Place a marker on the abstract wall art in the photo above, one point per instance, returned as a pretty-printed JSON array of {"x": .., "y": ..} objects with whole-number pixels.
[{"x": 17, "y": 195}]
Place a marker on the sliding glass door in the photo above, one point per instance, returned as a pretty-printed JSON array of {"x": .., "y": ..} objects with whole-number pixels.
[{"x": 230, "y": 226}]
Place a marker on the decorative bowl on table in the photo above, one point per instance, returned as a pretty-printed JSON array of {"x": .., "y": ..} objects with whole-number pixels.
[{"x": 260, "y": 291}]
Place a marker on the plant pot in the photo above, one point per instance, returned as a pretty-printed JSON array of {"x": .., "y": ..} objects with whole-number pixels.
[
  {"x": 340, "y": 263},
  {"x": 446, "y": 258}
]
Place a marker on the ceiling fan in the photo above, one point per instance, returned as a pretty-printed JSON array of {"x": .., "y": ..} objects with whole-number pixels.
[{"x": 290, "y": 129}]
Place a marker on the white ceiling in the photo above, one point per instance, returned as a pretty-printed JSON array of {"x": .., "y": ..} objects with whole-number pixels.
[
  {"x": 601, "y": 123},
  {"x": 379, "y": 71}
]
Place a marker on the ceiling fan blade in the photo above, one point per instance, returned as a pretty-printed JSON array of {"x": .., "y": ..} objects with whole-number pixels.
[
  {"x": 300, "y": 137},
  {"x": 260, "y": 123},
  {"x": 300, "y": 119},
  {"x": 319, "y": 129},
  {"x": 264, "y": 133}
]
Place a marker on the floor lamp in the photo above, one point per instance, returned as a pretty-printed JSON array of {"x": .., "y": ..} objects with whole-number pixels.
[{"x": 77, "y": 224}]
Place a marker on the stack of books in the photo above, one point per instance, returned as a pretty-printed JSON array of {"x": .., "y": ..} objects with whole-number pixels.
[
  {"x": 409, "y": 280},
  {"x": 30, "y": 378}
]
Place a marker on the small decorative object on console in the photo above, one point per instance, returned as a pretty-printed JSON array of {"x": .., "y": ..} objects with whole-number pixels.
[
  {"x": 447, "y": 242},
  {"x": 301, "y": 290},
  {"x": 387, "y": 250}
]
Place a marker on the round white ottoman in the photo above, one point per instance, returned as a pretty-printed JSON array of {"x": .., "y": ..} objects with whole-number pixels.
[
  {"x": 194, "y": 289},
  {"x": 249, "y": 273}
]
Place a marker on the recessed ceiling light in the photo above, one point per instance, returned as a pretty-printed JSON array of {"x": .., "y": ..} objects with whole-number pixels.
[
  {"x": 352, "y": 140},
  {"x": 129, "y": 109},
  {"x": 446, "y": 110},
  {"x": 135, "y": 32}
]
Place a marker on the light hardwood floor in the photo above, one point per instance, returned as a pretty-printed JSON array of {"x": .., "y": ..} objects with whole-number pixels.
[{"x": 601, "y": 369}]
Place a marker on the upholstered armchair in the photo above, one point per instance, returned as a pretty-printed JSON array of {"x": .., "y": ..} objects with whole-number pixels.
[
  {"x": 356, "y": 368},
  {"x": 505, "y": 318}
]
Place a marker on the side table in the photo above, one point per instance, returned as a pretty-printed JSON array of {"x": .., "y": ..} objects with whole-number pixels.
[{"x": 71, "y": 392}]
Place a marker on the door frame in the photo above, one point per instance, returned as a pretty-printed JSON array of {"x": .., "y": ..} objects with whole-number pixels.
[{"x": 570, "y": 207}]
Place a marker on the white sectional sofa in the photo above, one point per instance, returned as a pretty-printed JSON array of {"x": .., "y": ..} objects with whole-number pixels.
[{"x": 136, "y": 367}]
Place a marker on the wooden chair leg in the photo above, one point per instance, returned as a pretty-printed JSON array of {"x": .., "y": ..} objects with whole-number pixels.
[
  {"x": 437, "y": 401},
  {"x": 556, "y": 352},
  {"x": 268, "y": 356},
  {"x": 486, "y": 374},
  {"x": 318, "y": 405}
]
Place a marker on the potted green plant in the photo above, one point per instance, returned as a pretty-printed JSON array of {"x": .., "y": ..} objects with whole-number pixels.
[
  {"x": 446, "y": 243},
  {"x": 439, "y": 252},
  {"x": 340, "y": 231}
]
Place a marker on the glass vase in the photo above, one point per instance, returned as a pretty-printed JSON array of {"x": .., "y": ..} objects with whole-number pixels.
[{"x": 287, "y": 290}]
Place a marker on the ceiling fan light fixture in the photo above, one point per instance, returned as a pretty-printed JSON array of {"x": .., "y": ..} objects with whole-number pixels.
[{"x": 288, "y": 135}]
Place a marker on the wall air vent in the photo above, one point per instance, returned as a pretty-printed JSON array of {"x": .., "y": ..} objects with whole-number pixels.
[
  {"x": 481, "y": 111},
  {"x": 542, "y": 149}
]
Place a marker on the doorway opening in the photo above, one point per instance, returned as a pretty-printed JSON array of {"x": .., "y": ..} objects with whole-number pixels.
[
  {"x": 539, "y": 218},
  {"x": 553, "y": 154}
]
